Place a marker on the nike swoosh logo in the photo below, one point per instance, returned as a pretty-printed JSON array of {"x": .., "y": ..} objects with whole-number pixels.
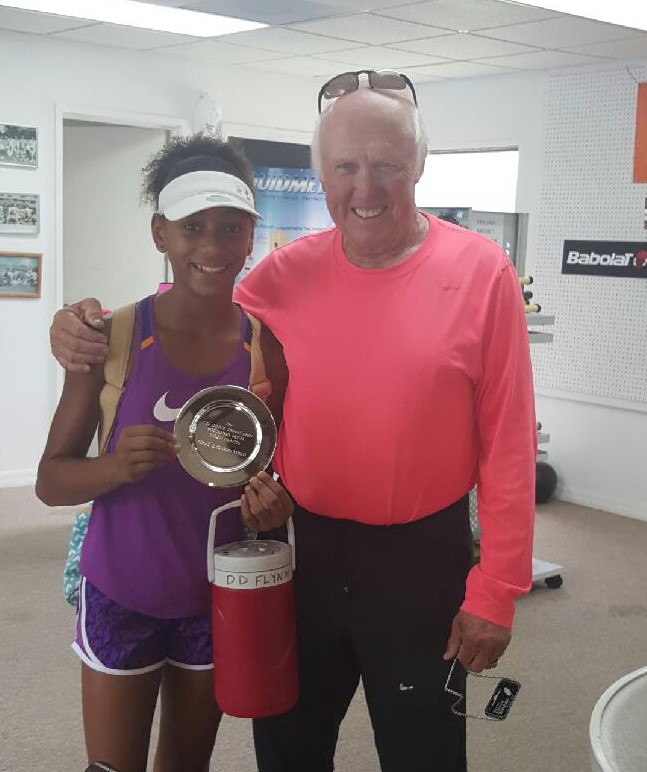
[{"x": 163, "y": 412}]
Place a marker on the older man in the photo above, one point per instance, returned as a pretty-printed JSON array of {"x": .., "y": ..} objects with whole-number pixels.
[{"x": 409, "y": 382}]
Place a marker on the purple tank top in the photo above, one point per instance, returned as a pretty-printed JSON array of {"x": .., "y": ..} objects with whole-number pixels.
[{"x": 146, "y": 543}]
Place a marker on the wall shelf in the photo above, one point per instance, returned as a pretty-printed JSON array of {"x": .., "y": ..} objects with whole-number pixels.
[
  {"x": 540, "y": 337},
  {"x": 542, "y": 570},
  {"x": 536, "y": 320}
]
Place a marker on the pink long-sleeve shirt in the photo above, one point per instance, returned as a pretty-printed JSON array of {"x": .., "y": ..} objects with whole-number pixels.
[{"x": 408, "y": 385}]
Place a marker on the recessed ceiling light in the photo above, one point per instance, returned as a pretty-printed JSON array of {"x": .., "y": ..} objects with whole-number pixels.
[
  {"x": 626, "y": 13},
  {"x": 130, "y": 13}
]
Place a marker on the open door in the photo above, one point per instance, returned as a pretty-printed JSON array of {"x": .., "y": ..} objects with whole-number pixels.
[{"x": 108, "y": 250}]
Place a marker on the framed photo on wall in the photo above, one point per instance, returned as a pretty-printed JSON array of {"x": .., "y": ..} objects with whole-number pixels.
[
  {"x": 18, "y": 145},
  {"x": 20, "y": 274},
  {"x": 19, "y": 213}
]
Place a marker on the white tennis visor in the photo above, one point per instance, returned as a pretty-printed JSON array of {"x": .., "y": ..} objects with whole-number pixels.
[{"x": 196, "y": 191}]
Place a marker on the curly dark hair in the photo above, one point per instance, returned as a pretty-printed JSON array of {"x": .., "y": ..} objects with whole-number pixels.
[{"x": 196, "y": 153}]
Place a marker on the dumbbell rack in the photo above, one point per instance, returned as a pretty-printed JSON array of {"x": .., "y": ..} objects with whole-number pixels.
[{"x": 542, "y": 570}]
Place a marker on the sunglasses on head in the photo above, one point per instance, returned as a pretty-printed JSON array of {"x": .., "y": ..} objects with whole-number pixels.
[{"x": 348, "y": 82}]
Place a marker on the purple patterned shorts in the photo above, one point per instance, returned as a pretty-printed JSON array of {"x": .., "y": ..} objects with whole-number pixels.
[{"x": 113, "y": 639}]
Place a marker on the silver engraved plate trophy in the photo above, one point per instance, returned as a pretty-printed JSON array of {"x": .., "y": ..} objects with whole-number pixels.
[{"x": 226, "y": 434}]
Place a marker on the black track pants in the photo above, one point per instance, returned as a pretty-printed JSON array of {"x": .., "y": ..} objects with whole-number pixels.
[{"x": 374, "y": 602}]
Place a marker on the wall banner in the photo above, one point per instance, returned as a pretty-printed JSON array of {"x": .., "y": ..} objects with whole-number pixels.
[
  {"x": 624, "y": 259},
  {"x": 292, "y": 204}
]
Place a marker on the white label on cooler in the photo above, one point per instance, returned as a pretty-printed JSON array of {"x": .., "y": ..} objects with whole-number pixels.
[{"x": 252, "y": 580}]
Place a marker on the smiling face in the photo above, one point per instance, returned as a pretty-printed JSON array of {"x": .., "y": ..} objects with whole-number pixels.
[
  {"x": 206, "y": 249},
  {"x": 370, "y": 163}
]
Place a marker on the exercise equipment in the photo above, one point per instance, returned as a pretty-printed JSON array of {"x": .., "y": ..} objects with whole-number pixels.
[{"x": 545, "y": 482}]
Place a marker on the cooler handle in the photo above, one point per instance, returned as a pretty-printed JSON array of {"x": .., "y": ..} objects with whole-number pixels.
[
  {"x": 290, "y": 527},
  {"x": 212, "y": 534}
]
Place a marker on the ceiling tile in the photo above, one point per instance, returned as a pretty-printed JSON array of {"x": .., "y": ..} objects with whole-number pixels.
[
  {"x": 466, "y": 14},
  {"x": 458, "y": 46},
  {"x": 563, "y": 32},
  {"x": 378, "y": 57},
  {"x": 175, "y": 3},
  {"x": 357, "y": 6},
  {"x": 458, "y": 70},
  {"x": 325, "y": 37},
  {"x": 631, "y": 48},
  {"x": 302, "y": 65},
  {"x": 542, "y": 60},
  {"x": 124, "y": 37},
  {"x": 218, "y": 52},
  {"x": 287, "y": 41},
  {"x": 274, "y": 12},
  {"x": 38, "y": 23},
  {"x": 367, "y": 28},
  {"x": 425, "y": 77}
]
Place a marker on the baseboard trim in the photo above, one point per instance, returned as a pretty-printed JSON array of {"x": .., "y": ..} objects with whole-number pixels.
[
  {"x": 18, "y": 478},
  {"x": 586, "y": 499}
]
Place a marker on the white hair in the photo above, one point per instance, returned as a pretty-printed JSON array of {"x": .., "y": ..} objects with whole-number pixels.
[{"x": 419, "y": 135}]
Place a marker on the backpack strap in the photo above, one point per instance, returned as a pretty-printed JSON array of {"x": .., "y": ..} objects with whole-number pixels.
[
  {"x": 115, "y": 370},
  {"x": 118, "y": 360},
  {"x": 259, "y": 384}
]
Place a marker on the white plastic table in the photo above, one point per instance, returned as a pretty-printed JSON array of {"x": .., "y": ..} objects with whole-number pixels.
[{"x": 618, "y": 727}]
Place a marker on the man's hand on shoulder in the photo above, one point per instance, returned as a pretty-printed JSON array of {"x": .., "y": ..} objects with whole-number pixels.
[
  {"x": 75, "y": 336},
  {"x": 477, "y": 643}
]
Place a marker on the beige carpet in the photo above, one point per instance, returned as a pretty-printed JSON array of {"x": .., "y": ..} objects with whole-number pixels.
[{"x": 569, "y": 645}]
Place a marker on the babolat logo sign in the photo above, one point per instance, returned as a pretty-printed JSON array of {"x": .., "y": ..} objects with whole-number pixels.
[{"x": 627, "y": 259}]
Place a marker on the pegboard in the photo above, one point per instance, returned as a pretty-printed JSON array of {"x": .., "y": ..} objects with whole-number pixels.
[{"x": 600, "y": 331}]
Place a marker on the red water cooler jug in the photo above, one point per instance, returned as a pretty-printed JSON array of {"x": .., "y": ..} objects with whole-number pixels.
[{"x": 254, "y": 625}]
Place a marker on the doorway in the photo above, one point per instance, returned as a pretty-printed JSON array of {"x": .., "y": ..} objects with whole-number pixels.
[
  {"x": 108, "y": 251},
  {"x": 103, "y": 242}
]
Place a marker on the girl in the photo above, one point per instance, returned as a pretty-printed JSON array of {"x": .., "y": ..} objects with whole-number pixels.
[{"x": 143, "y": 626}]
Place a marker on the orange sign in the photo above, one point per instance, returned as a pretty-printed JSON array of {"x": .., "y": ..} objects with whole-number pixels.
[{"x": 640, "y": 148}]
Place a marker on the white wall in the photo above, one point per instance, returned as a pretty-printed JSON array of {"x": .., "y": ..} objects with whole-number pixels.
[
  {"x": 506, "y": 111},
  {"x": 599, "y": 453},
  {"x": 42, "y": 75},
  {"x": 598, "y": 450},
  {"x": 107, "y": 246}
]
